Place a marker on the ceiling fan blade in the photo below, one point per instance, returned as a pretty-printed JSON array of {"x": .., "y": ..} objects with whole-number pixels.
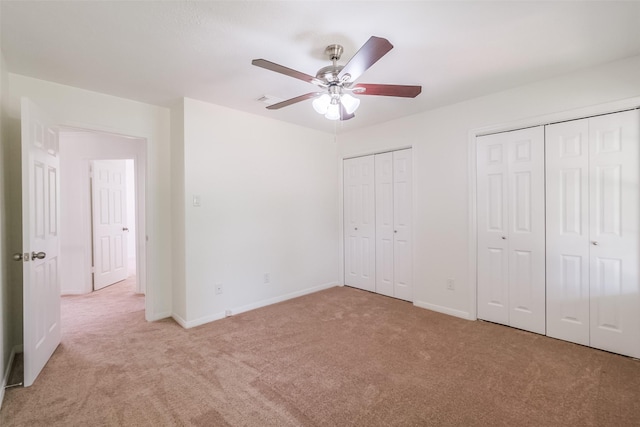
[
  {"x": 293, "y": 100},
  {"x": 344, "y": 115},
  {"x": 263, "y": 63},
  {"x": 387, "y": 90},
  {"x": 374, "y": 49}
]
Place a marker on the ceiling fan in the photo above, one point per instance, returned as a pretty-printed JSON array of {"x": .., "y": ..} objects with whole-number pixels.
[{"x": 337, "y": 82}]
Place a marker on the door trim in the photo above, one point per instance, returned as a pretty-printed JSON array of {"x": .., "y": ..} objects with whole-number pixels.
[{"x": 575, "y": 114}]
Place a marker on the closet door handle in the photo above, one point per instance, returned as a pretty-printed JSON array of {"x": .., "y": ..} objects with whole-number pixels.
[
  {"x": 504, "y": 237},
  {"x": 594, "y": 243}
]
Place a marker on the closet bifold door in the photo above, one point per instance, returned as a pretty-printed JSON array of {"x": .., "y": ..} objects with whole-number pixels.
[
  {"x": 359, "y": 223},
  {"x": 567, "y": 170},
  {"x": 593, "y": 223},
  {"x": 614, "y": 214},
  {"x": 393, "y": 224},
  {"x": 510, "y": 221}
]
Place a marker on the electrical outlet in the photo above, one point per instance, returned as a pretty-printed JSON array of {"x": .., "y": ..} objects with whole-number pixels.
[
  {"x": 451, "y": 284},
  {"x": 267, "y": 278},
  {"x": 219, "y": 289}
]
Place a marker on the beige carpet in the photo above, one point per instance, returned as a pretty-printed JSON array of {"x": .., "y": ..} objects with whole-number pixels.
[{"x": 340, "y": 357}]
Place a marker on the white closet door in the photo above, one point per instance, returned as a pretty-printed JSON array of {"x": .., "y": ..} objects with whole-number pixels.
[
  {"x": 511, "y": 261},
  {"x": 384, "y": 224},
  {"x": 492, "y": 223},
  {"x": 402, "y": 249},
  {"x": 359, "y": 222},
  {"x": 614, "y": 199},
  {"x": 526, "y": 229},
  {"x": 567, "y": 167}
]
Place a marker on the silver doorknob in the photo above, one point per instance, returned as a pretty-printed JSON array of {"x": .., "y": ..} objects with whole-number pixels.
[
  {"x": 17, "y": 257},
  {"x": 504, "y": 237},
  {"x": 395, "y": 231},
  {"x": 125, "y": 229},
  {"x": 38, "y": 255},
  {"x": 356, "y": 228},
  {"x": 595, "y": 243}
]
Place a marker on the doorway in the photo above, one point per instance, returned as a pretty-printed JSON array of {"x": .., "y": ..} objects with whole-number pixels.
[{"x": 80, "y": 152}]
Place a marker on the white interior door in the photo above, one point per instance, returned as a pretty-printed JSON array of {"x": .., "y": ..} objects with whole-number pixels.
[
  {"x": 614, "y": 200},
  {"x": 402, "y": 249},
  {"x": 384, "y": 224},
  {"x": 109, "y": 222},
  {"x": 40, "y": 234},
  {"x": 359, "y": 222},
  {"x": 511, "y": 229},
  {"x": 567, "y": 168},
  {"x": 526, "y": 238},
  {"x": 493, "y": 226}
]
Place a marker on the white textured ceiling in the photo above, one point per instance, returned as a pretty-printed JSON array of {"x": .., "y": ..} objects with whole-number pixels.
[{"x": 160, "y": 51}]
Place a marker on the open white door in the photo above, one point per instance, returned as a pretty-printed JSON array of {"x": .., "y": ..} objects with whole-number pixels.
[
  {"x": 40, "y": 234},
  {"x": 109, "y": 222}
]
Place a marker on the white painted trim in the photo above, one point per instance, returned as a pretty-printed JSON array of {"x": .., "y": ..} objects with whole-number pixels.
[
  {"x": 197, "y": 322},
  {"x": 159, "y": 316},
  {"x": 15, "y": 350},
  {"x": 230, "y": 312},
  {"x": 281, "y": 298},
  {"x": 444, "y": 310},
  {"x": 575, "y": 114}
]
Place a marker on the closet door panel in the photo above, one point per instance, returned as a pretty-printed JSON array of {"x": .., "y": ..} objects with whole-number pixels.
[
  {"x": 614, "y": 176},
  {"x": 492, "y": 223},
  {"x": 359, "y": 222},
  {"x": 526, "y": 201},
  {"x": 567, "y": 166},
  {"x": 402, "y": 249},
  {"x": 384, "y": 224}
]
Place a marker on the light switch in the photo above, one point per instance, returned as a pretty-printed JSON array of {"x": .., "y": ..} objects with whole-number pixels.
[{"x": 196, "y": 201}]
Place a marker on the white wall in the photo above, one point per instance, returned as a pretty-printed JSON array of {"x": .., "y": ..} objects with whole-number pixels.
[
  {"x": 77, "y": 150},
  {"x": 5, "y": 332},
  {"x": 440, "y": 155},
  {"x": 179, "y": 284},
  {"x": 268, "y": 205},
  {"x": 131, "y": 213},
  {"x": 75, "y": 107}
]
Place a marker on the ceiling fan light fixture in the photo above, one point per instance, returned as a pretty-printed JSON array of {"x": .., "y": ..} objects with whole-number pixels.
[
  {"x": 350, "y": 103},
  {"x": 321, "y": 103},
  {"x": 333, "y": 112}
]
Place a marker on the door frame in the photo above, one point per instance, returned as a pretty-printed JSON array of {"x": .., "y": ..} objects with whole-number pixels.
[
  {"x": 138, "y": 153},
  {"x": 575, "y": 114}
]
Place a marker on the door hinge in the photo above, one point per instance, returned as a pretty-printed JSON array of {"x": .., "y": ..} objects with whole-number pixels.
[{"x": 93, "y": 270}]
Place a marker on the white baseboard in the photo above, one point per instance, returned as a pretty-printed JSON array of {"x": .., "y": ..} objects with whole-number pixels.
[
  {"x": 15, "y": 350},
  {"x": 159, "y": 316},
  {"x": 230, "y": 312},
  {"x": 197, "y": 322},
  {"x": 281, "y": 298},
  {"x": 444, "y": 310}
]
